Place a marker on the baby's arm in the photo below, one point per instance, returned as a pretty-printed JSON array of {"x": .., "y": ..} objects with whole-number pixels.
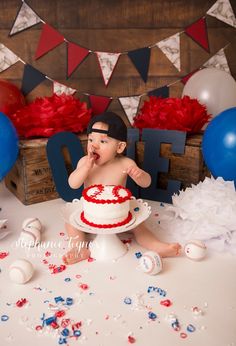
[
  {"x": 80, "y": 174},
  {"x": 140, "y": 177}
]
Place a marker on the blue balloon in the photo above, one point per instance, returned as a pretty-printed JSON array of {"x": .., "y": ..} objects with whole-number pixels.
[
  {"x": 8, "y": 145},
  {"x": 219, "y": 145}
]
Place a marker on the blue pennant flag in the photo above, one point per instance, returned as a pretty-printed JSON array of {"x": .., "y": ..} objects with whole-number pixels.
[
  {"x": 141, "y": 58},
  {"x": 31, "y": 78},
  {"x": 160, "y": 92}
]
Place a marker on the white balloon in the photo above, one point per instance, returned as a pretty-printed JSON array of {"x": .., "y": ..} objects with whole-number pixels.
[{"x": 214, "y": 88}]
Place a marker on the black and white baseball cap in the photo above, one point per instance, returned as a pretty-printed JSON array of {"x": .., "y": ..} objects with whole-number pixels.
[{"x": 116, "y": 126}]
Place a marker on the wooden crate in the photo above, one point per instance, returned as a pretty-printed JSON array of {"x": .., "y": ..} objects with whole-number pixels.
[{"x": 31, "y": 181}]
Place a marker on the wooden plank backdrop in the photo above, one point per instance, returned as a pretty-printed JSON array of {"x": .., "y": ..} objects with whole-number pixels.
[{"x": 114, "y": 26}]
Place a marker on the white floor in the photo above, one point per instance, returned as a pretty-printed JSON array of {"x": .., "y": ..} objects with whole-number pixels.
[{"x": 209, "y": 285}]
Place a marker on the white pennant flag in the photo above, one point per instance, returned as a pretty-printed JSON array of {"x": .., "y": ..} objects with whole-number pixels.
[
  {"x": 130, "y": 106},
  {"x": 59, "y": 89},
  {"x": 26, "y": 18},
  {"x": 171, "y": 48},
  {"x": 223, "y": 11},
  {"x": 7, "y": 58},
  {"x": 107, "y": 62},
  {"x": 218, "y": 61}
]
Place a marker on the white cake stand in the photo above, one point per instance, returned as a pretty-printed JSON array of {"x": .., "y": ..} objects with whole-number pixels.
[{"x": 106, "y": 245}]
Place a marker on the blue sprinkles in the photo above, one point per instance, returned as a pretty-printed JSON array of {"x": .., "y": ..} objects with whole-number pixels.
[
  {"x": 136, "y": 209},
  {"x": 4, "y": 318},
  {"x": 152, "y": 315},
  {"x": 65, "y": 332},
  {"x": 58, "y": 299},
  {"x": 128, "y": 300},
  {"x": 77, "y": 332},
  {"x": 138, "y": 254},
  {"x": 67, "y": 279},
  {"x": 69, "y": 301},
  {"x": 62, "y": 341},
  {"x": 191, "y": 328}
]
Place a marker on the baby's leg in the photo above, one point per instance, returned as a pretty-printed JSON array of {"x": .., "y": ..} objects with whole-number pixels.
[
  {"x": 78, "y": 246},
  {"x": 148, "y": 240}
]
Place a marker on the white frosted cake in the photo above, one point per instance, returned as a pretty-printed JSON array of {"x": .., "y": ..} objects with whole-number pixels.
[{"x": 106, "y": 206}]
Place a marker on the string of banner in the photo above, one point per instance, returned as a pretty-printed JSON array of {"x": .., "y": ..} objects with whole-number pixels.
[{"x": 76, "y": 54}]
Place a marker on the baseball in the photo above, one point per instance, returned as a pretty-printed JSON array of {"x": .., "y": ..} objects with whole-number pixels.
[
  {"x": 195, "y": 250},
  {"x": 21, "y": 271},
  {"x": 150, "y": 263},
  {"x": 30, "y": 237},
  {"x": 32, "y": 222},
  {"x": 31, "y": 232}
]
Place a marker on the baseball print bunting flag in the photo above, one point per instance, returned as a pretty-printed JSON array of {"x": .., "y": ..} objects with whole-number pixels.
[
  {"x": 60, "y": 89},
  {"x": 7, "y": 58},
  {"x": 107, "y": 63},
  {"x": 160, "y": 92},
  {"x": 25, "y": 18},
  {"x": 130, "y": 105},
  {"x": 218, "y": 61},
  {"x": 171, "y": 48},
  {"x": 31, "y": 78},
  {"x": 198, "y": 32},
  {"x": 99, "y": 104},
  {"x": 141, "y": 58},
  {"x": 223, "y": 11},
  {"x": 75, "y": 55},
  {"x": 49, "y": 39}
]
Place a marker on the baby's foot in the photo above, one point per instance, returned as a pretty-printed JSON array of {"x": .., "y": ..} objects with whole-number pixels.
[
  {"x": 168, "y": 249},
  {"x": 74, "y": 255}
]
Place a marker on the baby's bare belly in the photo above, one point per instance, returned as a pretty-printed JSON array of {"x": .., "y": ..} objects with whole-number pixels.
[{"x": 110, "y": 178}]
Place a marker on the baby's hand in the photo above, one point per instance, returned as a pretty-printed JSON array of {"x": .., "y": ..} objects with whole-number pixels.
[
  {"x": 135, "y": 172},
  {"x": 90, "y": 160}
]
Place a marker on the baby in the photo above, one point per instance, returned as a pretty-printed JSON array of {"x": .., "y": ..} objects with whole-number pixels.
[{"x": 105, "y": 164}]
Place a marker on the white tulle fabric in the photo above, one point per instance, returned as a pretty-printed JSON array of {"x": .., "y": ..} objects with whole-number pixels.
[{"x": 206, "y": 211}]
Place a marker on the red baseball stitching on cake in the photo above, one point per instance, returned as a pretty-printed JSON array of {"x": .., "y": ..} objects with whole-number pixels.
[
  {"x": 111, "y": 225},
  {"x": 115, "y": 191},
  {"x": 99, "y": 191}
]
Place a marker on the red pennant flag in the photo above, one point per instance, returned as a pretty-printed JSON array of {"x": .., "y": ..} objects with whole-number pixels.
[
  {"x": 186, "y": 78},
  {"x": 198, "y": 32},
  {"x": 99, "y": 104},
  {"x": 49, "y": 39},
  {"x": 75, "y": 55}
]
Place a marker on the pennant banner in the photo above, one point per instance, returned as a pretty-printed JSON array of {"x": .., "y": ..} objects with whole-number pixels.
[
  {"x": 141, "y": 58},
  {"x": 107, "y": 63},
  {"x": 218, "y": 61},
  {"x": 171, "y": 48},
  {"x": 59, "y": 89},
  {"x": 31, "y": 78},
  {"x": 49, "y": 39},
  {"x": 25, "y": 18},
  {"x": 7, "y": 58},
  {"x": 130, "y": 106},
  {"x": 223, "y": 11},
  {"x": 198, "y": 32},
  {"x": 75, "y": 56},
  {"x": 99, "y": 104}
]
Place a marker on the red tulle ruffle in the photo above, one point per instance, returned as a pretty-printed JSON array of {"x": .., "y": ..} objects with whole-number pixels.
[
  {"x": 47, "y": 116},
  {"x": 184, "y": 114}
]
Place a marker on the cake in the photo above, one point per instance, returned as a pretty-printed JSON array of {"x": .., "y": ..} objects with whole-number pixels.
[{"x": 106, "y": 206}]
